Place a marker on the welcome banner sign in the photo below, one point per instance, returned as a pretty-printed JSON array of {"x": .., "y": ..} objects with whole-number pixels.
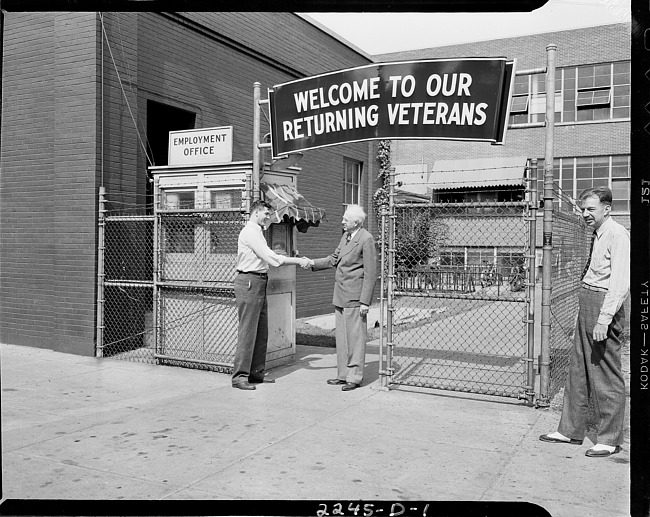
[{"x": 450, "y": 99}]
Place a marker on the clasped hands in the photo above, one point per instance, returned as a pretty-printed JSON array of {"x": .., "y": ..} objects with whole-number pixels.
[{"x": 306, "y": 263}]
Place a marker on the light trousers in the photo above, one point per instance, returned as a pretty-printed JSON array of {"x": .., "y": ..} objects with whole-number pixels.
[{"x": 351, "y": 337}]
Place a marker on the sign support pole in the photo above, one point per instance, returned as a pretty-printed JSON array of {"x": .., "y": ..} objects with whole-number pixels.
[
  {"x": 254, "y": 192},
  {"x": 545, "y": 359}
]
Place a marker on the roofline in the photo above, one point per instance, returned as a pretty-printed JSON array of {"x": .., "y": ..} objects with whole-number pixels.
[
  {"x": 334, "y": 35},
  {"x": 524, "y": 35}
]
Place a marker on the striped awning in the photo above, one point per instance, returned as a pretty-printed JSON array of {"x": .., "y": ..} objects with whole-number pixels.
[{"x": 288, "y": 202}]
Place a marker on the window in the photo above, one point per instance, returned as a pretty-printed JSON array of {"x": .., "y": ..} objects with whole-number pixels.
[
  {"x": 572, "y": 175},
  {"x": 178, "y": 200},
  {"x": 223, "y": 228},
  {"x": 179, "y": 231},
  {"x": 593, "y": 98},
  {"x": 519, "y": 104},
  {"x": 583, "y": 93},
  {"x": 621, "y": 184},
  {"x": 351, "y": 182},
  {"x": 226, "y": 199}
]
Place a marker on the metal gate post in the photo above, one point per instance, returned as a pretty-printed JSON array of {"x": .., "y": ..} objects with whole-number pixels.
[
  {"x": 156, "y": 267},
  {"x": 545, "y": 360},
  {"x": 383, "y": 380},
  {"x": 532, "y": 205},
  {"x": 256, "y": 143},
  {"x": 391, "y": 273},
  {"x": 99, "y": 345}
]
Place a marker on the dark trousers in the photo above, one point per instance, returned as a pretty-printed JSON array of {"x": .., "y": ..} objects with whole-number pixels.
[
  {"x": 252, "y": 335},
  {"x": 595, "y": 373}
]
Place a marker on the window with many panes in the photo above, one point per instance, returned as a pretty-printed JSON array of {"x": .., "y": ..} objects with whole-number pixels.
[
  {"x": 582, "y": 93},
  {"x": 351, "y": 182},
  {"x": 572, "y": 175}
]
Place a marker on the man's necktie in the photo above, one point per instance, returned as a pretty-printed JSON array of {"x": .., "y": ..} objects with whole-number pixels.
[
  {"x": 591, "y": 249},
  {"x": 347, "y": 238}
]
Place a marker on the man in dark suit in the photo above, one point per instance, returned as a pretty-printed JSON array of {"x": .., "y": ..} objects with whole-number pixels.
[{"x": 355, "y": 260}]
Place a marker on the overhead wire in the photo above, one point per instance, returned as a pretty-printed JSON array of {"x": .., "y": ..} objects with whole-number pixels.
[{"x": 119, "y": 78}]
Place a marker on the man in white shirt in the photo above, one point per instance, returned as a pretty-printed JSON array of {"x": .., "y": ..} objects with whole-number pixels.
[
  {"x": 253, "y": 259},
  {"x": 595, "y": 365}
]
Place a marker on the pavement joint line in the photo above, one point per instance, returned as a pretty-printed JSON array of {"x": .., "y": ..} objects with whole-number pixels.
[{"x": 510, "y": 457}]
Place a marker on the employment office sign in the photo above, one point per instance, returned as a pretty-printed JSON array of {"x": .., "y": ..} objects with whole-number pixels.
[
  {"x": 460, "y": 99},
  {"x": 208, "y": 146}
]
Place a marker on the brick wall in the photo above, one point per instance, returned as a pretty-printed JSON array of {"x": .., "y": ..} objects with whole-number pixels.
[
  {"x": 588, "y": 45},
  {"x": 53, "y": 130},
  {"x": 47, "y": 214}
]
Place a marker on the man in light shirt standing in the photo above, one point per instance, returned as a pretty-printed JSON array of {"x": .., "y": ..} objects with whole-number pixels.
[
  {"x": 595, "y": 366},
  {"x": 253, "y": 259}
]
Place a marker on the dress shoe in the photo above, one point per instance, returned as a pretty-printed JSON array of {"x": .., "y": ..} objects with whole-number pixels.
[
  {"x": 244, "y": 386},
  {"x": 335, "y": 381},
  {"x": 549, "y": 439},
  {"x": 349, "y": 386},
  {"x": 260, "y": 381},
  {"x": 602, "y": 453}
]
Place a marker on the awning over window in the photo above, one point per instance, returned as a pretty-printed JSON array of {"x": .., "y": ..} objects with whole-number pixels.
[
  {"x": 288, "y": 202},
  {"x": 482, "y": 172}
]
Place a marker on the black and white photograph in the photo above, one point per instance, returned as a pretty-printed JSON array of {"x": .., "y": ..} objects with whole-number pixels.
[{"x": 348, "y": 262}]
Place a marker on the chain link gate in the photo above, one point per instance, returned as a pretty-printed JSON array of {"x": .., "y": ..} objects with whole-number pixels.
[
  {"x": 196, "y": 313},
  {"x": 460, "y": 296},
  {"x": 125, "y": 284},
  {"x": 165, "y": 285}
]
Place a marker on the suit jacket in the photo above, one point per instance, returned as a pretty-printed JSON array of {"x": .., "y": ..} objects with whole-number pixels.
[{"x": 356, "y": 270}]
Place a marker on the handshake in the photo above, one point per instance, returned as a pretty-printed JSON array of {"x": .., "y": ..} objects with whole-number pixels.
[{"x": 305, "y": 262}]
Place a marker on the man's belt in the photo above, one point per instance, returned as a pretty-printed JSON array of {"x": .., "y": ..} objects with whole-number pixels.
[
  {"x": 594, "y": 288},
  {"x": 252, "y": 273}
]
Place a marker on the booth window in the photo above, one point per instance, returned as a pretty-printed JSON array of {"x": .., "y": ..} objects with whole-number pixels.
[
  {"x": 224, "y": 226},
  {"x": 179, "y": 230},
  {"x": 351, "y": 181},
  {"x": 226, "y": 199},
  {"x": 279, "y": 238}
]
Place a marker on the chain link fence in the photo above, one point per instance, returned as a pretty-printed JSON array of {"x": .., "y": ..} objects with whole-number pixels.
[
  {"x": 459, "y": 299},
  {"x": 571, "y": 238},
  {"x": 125, "y": 290}
]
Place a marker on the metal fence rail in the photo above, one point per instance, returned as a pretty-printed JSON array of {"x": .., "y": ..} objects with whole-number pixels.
[{"x": 459, "y": 304}]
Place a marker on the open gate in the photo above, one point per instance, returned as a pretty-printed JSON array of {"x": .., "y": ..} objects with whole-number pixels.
[{"x": 460, "y": 290}]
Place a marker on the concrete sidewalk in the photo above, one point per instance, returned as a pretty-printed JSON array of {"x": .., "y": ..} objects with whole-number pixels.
[{"x": 83, "y": 428}]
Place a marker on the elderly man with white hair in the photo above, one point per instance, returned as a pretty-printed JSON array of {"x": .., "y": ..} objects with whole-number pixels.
[{"x": 355, "y": 260}]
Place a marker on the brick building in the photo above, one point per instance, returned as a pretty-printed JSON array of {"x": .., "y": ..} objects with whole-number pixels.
[
  {"x": 592, "y": 124},
  {"x": 88, "y": 100}
]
